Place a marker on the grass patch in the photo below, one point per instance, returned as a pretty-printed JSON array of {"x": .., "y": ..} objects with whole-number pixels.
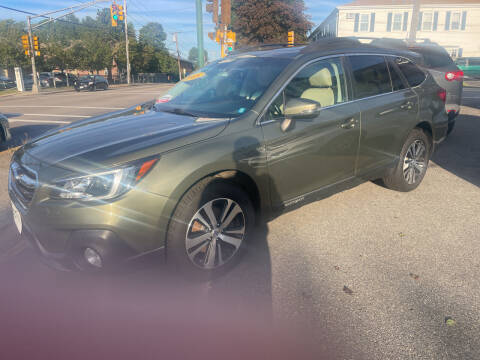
[{"x": 8, "y": 92}]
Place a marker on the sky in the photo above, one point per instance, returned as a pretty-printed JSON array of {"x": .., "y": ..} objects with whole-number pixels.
[{"x": 174, "y": 15}]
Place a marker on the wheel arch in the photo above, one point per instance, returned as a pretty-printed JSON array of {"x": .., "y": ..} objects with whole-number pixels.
[
  {"x": 427, "y": 128},
  {"x": 238, "y": 177}
]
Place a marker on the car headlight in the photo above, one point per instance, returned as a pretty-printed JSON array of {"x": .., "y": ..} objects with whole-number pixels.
[
  {"x": 90, "y": 83},
  {"x": 103, "y": 185}
]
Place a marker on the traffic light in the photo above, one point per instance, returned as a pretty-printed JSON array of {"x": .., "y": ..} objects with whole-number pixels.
[
  {"x": 120, "y": 13},
  {"x": 291, "y": 38},
  {"x": 26, "y": 44},
  {"x": 114, "y": 14},
  {"x": 231, "y": 36},
  {"x": 36, "y": 45},
  {"x": 226, "y": 12},
  {"x": 212, "y": 7}
]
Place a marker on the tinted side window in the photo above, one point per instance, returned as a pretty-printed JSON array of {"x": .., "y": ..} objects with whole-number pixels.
[
  {"x": 412, "y": 73},
  {"x": 397, "y": 81},
  {"x": 370, "y": 75},
  {"x": 434, "y": 57},
  {"x": 322, "y": 81}
]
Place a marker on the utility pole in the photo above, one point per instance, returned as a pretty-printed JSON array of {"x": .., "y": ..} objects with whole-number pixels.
[
  {"x": 175, "y": 35},
  {"x": 35, "y": 89},
  {"x": 414, "y": 23},
  {"x": 126, "y": 41},
  {"x": 201, "y": 58}
]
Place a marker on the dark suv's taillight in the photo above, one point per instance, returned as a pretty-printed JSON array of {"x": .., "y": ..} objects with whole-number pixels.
[
  {"x": 454, "y": 75},
  {"x": 442, "y": 95}
]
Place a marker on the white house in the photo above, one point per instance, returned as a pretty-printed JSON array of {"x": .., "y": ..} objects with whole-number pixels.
[{"x": 453, "y": 24}]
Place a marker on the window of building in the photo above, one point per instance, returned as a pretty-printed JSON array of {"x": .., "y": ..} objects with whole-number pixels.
[
  {"x": 364, "y": 22},
  {"x": 455, "y": 22},
  {"x": 427, "y": 21},
  {"x": 397, "y": 22},
  {"x": 323, "y": 82},
  {"x": 371, "y": 75}
]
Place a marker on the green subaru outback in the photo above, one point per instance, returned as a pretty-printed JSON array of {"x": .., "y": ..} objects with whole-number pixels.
[{"x": 247, "y": 135}]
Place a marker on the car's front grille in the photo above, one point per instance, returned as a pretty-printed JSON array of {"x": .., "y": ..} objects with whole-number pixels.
[{"x": 24, "y": 182}]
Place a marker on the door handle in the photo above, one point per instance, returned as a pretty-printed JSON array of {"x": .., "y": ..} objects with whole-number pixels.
[
  {"x": 407, "y": 106},
  {"x": 348, "y": 124}
]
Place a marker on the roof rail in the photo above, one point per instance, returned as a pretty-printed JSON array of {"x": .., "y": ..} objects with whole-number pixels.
[{"x": 260, "y": 47}]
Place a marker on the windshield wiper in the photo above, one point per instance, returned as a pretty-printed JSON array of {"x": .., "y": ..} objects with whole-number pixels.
[{"x": 179, "y": 111}]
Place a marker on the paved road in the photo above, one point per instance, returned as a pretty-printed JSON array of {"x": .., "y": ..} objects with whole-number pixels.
[
  {"x": 32, "y": 115},
  {"x": 368, "y": 273}
]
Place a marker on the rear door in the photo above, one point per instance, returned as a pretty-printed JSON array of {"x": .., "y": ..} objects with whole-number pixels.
[{"x": 388, "y": 107}]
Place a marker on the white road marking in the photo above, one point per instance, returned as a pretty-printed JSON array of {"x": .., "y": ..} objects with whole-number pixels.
[
  {"x": 39, "y": 121},
  {"x": 72, "y": 116},
  {"x": 471, "y": 97},
  {"x": 61, "y": 106}
]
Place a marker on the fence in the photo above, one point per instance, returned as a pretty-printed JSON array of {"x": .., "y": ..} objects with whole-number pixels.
[{"x": 143, "y": 78}]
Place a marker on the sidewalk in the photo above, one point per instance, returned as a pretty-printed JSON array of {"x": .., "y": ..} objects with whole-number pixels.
[{"x": 471, "y": 83}]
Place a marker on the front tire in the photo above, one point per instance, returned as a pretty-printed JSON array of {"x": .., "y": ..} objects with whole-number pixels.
[
  {"x": 412, "y": 164},
  {"x": 209, "y": 229}
]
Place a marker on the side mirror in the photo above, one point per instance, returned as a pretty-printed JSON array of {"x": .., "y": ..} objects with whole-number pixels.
[
  {"x": 297, "y": 109},
  {"x": 302, "y": 108}
]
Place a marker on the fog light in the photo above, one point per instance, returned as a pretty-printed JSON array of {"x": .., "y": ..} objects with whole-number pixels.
[{"x": 92, "y": 257}]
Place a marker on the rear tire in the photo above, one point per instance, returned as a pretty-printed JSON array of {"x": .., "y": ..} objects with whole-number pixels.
[
  {"x": 451, "y": 125},
  {"x": 193, "y": 237},
  {"x": 412, "y": 164}
]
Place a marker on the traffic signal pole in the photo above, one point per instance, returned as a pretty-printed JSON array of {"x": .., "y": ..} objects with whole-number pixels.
[
  {"x": 126, "y": 42},
  {"x": 35, "y": 89},
  {"x": 201, "y": 58}
]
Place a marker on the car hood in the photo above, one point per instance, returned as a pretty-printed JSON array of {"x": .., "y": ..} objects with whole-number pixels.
[{"x": 119, "y": 137}]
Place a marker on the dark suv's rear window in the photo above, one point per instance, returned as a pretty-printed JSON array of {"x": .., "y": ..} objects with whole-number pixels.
[
  {"x": 412, "y": 73},
  {"x": 371, "y": 75},
  {"x": 434, "y": 58}
]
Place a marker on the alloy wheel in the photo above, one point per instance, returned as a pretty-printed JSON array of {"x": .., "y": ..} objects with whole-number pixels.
[
  {"x": 215, "y": 233},
  {"x": 414, "y": 163}
]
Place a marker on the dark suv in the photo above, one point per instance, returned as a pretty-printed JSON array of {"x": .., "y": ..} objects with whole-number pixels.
[{"x": 246, "y": 135}]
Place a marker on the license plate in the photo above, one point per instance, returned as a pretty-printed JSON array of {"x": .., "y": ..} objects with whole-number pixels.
[{"x": 17, "y": 218}]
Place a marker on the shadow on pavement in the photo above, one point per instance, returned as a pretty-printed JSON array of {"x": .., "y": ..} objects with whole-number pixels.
[{"x": 460, "y": 152}]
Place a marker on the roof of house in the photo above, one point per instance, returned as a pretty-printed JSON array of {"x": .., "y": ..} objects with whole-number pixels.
[{"x": 410, "y": 2}]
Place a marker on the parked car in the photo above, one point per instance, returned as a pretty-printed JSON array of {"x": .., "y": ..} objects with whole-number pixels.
[
  {"x": 91, "y": 83},
  {"x": 4, "y": 131},
  {"x": 46, "y": 79},
  {"x": 241, "y": 138},
  {"x": 6, "y": 83},
  {"x": 470, "y": 67},
  {"x": 438, "y": 62},
  {"x": 61, "y": 79},
  {"x": 28, "y": 82}
]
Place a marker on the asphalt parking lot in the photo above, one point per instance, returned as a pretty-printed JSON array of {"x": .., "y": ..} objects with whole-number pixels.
[{"x": 367, "y": 273}]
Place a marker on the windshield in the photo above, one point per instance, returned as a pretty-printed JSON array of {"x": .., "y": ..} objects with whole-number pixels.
[
  {"x": 86, "y": 77},
  {"x": 225, "y": 88}
]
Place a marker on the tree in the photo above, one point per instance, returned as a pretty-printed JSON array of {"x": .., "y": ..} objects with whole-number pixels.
[
  {"x": 11, "y": 50},
  {"x": 268, "y": 21},
  {"x": 193, "y": 55},
  {"x": 152, "y": 34}
]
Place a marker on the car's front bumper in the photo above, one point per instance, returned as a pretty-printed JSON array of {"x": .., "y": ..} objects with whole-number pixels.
[{"x": 119, "y": 232}]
